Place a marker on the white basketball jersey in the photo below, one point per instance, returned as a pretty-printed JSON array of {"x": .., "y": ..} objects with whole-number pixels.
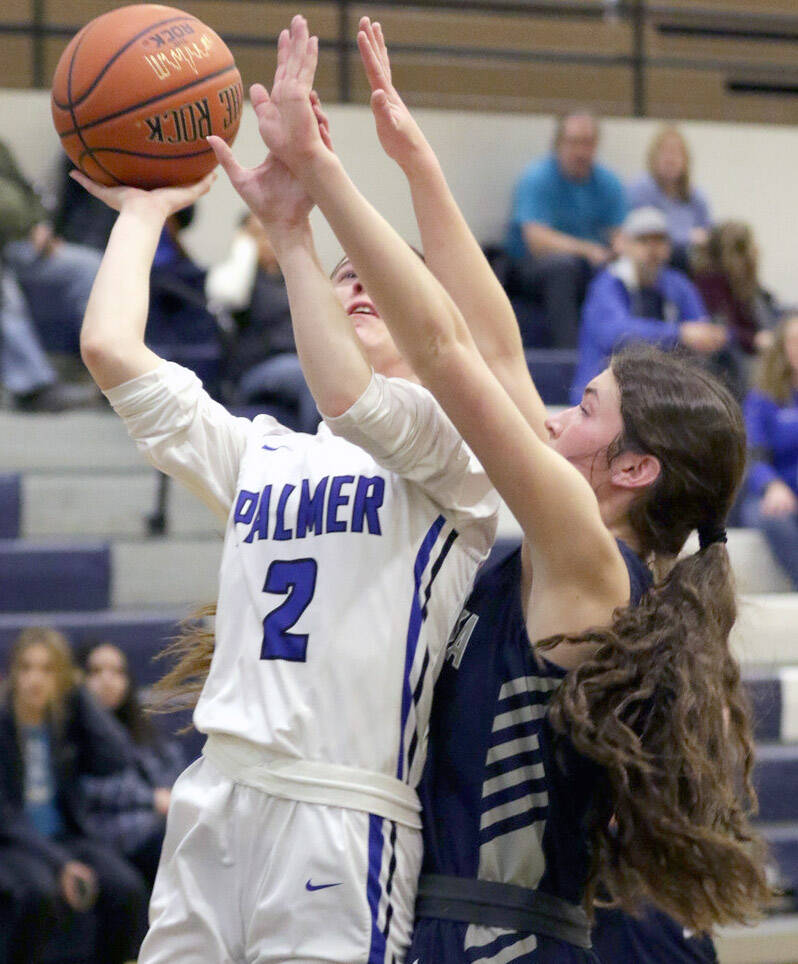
[{"x": 347, "y": 558}]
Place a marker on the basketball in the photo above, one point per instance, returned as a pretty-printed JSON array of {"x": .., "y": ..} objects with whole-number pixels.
[{"x": 137, "y": 91}]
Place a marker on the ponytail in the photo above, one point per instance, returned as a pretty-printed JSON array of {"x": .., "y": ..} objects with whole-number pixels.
[
  {"x": 661, "y": 708},
  {"x": 192, "y": 651}
]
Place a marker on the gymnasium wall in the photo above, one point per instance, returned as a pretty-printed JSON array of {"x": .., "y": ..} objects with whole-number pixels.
[{"x": 748, "y": 171}]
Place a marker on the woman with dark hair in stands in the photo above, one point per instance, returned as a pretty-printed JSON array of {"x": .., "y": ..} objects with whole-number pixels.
[
  {"x": 128, "y": 809},
  {"x": 51, "y": 734},
  {"x": 771, "y": 416},
  {"x": 589, "y": 725}
]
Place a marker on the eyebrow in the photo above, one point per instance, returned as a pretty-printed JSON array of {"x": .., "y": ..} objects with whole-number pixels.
[{"x": 593, "y": 392}]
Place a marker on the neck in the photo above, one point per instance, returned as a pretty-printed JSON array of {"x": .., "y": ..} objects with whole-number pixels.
[
  {"x": 614, "y": 510},
  {"x": 28, "y": 715}
]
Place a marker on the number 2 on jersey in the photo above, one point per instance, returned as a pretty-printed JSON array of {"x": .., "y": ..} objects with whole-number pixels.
[{"x": 297, "y": 577}]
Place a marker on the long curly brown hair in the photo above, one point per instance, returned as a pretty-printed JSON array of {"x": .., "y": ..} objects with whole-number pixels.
[{"x": 660, "y": 704}]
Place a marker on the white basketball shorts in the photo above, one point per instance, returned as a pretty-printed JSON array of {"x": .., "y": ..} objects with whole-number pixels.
[{"x": 248, "y": 877}]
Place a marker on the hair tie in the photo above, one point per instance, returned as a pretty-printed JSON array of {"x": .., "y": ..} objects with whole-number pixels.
[{"x": 710, "y": 534}]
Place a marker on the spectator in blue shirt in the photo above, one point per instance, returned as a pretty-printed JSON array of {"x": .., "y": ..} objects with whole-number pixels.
[
  {"x": 638, "y": 298},
  {"x": 566, "y": 211},
  {"x": 667, "y": 185},
  {"x": 771, "y": 417}
]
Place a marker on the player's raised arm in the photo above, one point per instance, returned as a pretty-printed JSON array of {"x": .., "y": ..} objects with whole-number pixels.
[
  {"x": 112, "y": 337},
  {"x": 333, "y": 362},
  {"x": 553, "y": 502},
  {"x": 451, "y": 250}
]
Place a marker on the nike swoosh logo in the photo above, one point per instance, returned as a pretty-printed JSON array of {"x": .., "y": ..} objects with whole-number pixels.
[
  {"x": 309, "y": 886},
  {"x": 274, "y": 448}
]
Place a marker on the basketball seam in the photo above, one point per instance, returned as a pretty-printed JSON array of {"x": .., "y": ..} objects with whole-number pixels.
[
  {"x": 113, "y": 59},
  {"x": 75, "y": 120},
  {"x": 154, "y": 157},
  {"x": 144, "y": 103}
]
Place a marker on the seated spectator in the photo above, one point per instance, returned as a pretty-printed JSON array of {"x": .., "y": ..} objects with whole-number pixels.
[
  {"x": 726, "y": 272},
  {"x": 51, "y": 734},
  {"x": 566, "y": 211},
  {"x": 639, "y": 298},
  {"x": 771, "y": 417},
  {"x": 56, "y": 277},
  {"x": 261, "y": 364},
  {"x": 25, "y": 370},
  {"x": 128, "y": 809},
  {"x": 79, "y": 217},
  {"x": 667, "y": 186}
]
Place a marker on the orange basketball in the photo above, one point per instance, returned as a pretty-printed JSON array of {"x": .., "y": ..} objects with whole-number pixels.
[{"x": 137, "y": 91}]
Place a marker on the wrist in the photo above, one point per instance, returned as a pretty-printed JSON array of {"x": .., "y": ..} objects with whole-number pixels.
[
  {"x": 146, "y": 209},
  {"x": 420, "y": 161},
  {"x": 315, "y": 170},
  {"x": 286, "y": 238}
]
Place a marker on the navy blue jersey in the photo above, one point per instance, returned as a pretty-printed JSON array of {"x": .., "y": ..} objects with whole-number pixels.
[
  {"x": 504, "y": 799},
  {"x": 653, "y": 938}
]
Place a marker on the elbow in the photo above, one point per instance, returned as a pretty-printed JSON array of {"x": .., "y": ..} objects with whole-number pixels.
[
  {"x": 95, "y": 352},
  {"x": 439, "y": 357}
]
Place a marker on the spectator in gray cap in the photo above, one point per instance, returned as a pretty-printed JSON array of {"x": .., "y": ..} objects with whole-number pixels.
[{"x": 639, "y": 298}]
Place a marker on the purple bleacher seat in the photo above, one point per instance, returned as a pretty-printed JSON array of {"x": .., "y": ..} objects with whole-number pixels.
[
  {"x": 782, "y": 840},
  {"x": 764, "y": 691},
  {"x": 9, "y": 506},
  {"x": 552, "y": 370},
  {"x": 41, "y": 578},
  {"x": 776, "y": 781}
]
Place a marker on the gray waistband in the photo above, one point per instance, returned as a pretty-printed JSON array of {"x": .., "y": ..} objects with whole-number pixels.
[{"x": 501, "y": 905}]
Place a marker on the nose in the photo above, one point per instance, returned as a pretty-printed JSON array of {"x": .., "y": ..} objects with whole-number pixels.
[{"x": 553, "y": 427}]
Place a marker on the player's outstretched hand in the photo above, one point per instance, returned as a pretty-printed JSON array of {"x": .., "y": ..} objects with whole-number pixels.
[
  {"x": 269, "y": 190},
  {"x": 167, "y": 199},
  {"x": 286, "y": 118},
  {"x": 400, "y": 136}
]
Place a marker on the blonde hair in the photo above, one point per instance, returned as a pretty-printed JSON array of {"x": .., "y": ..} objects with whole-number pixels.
[
  {"x": 775, "y": 375},
  {"x": 683, "y": 186},
  {"x": 58, "y": 647}
]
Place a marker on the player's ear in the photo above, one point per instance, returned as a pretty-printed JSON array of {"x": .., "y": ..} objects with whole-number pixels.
[{"x": 634, "y": 470}]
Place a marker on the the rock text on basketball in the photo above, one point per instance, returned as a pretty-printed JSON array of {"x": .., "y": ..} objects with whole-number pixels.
[
  {"x": 171, "y": 35},
  {"x": 231, "y": 98},
  {"x": 180, "y": 125}
]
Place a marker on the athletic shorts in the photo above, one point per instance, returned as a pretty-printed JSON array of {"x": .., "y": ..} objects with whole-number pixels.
[{"x": 248, "y": 877}]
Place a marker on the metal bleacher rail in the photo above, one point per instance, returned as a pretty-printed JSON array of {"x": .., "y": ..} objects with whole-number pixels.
[{"x": 706, "y": 59}]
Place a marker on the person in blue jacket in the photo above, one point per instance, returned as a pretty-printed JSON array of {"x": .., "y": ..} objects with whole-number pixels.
[
  {"x": 638, "y": 298},
  {"x": 771, "y": 418}
]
